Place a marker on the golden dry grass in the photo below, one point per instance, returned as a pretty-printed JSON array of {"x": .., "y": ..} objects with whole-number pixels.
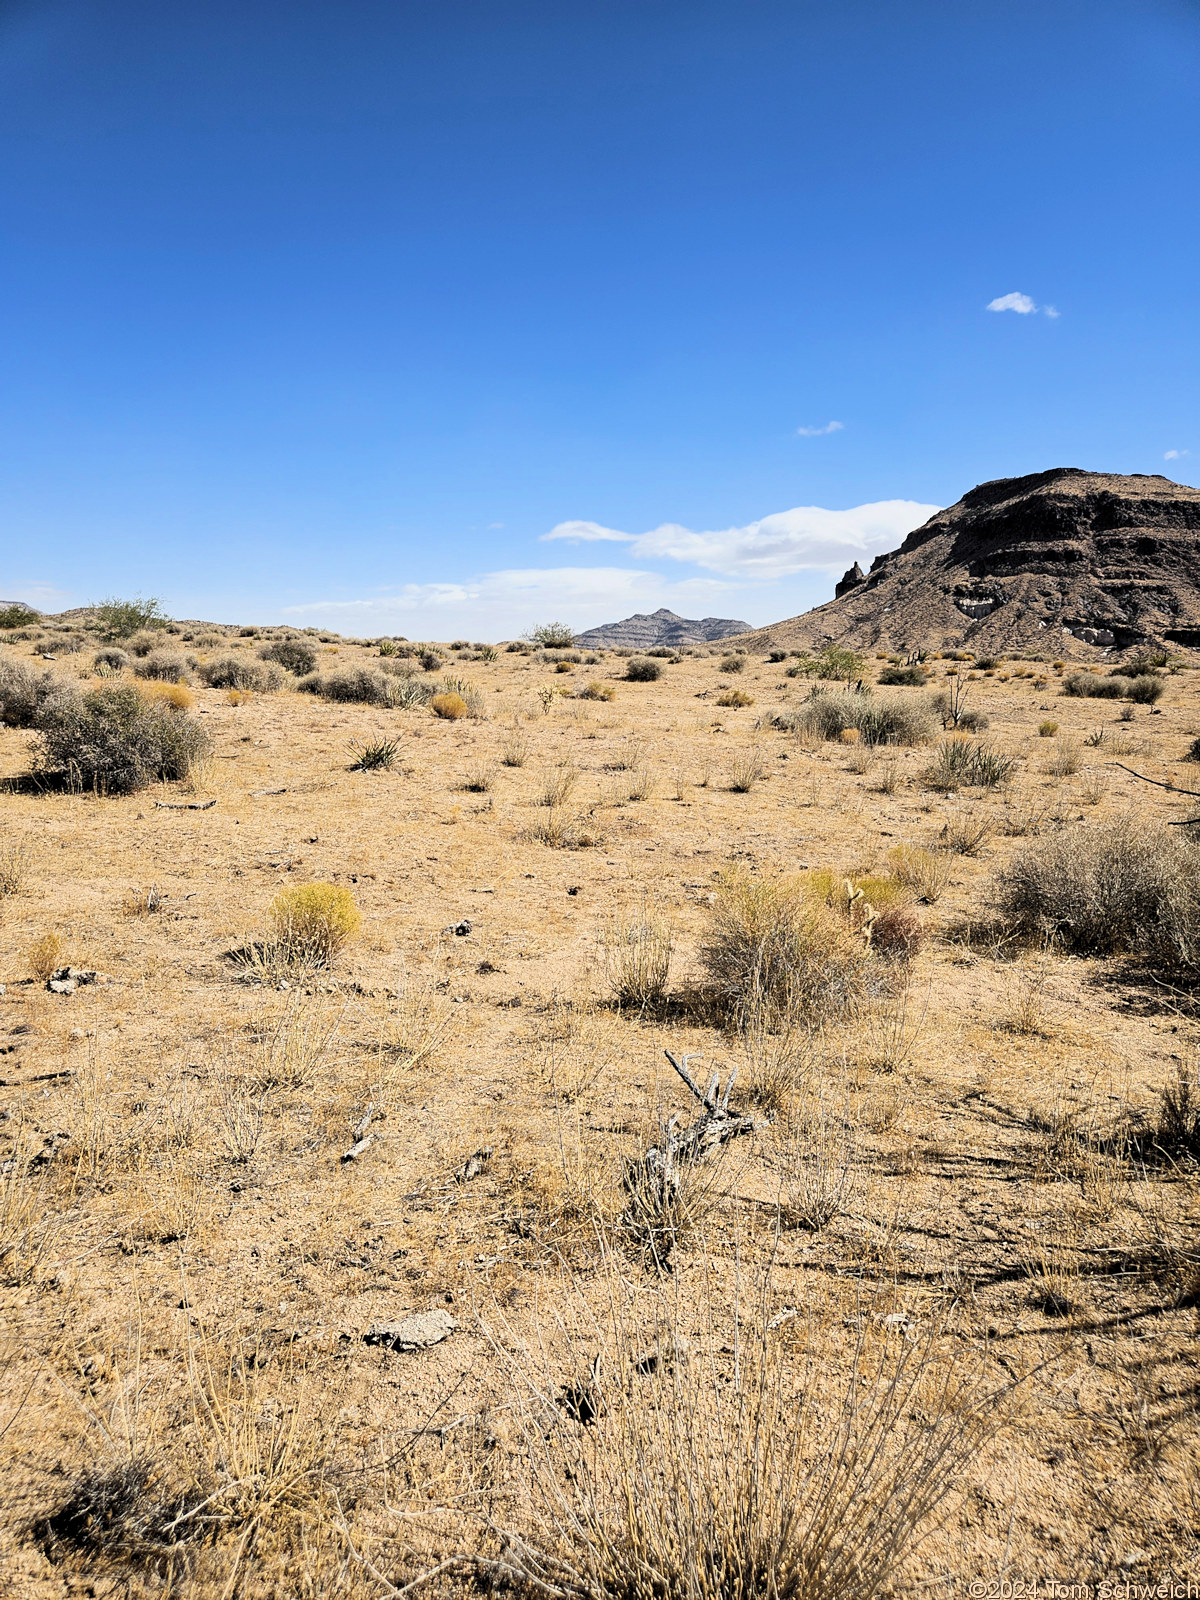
[{"x": 970, "y": 1161}]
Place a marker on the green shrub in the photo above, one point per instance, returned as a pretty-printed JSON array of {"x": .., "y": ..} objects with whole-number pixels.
[
  {"x": 240, "y": 672},
  {"x": 551, "y": 636},
  {"x": 1087, "y": 686},
  {"x": 293, "y": 655},
  {"x": 1119, "y": 886},
  {"x": 17, "y": 616},
  {"x": 641, "y": 669},
  {"x": 26, "y": 692},
  {"x": 833, "y": 662},
  {"x": 732, "y": 663},
  {"x": 121, "y": 619},
  {"x": 114, "y": 740},
  {"x": 914, "y": 677},
  {"x": 1145, "y": 662}
]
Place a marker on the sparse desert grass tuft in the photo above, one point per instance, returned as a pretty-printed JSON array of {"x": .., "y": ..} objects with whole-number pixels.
[
  {"x": 735, "y": 699},
  {"x": 558, "y": 785},
  {"x": 1047, "y": 729},
  {"x": 966, "y": 763},
  {"x": 176, "y": 695},
  {"x": 597, "y": 691},
  {"x": 925, "y": 872},
  {"x": 746, "y": 769},
  {"x": 15, "y": 858},
  {"x": 143, "y": 902},
  {"x": 311, "y": 922},
  {"x": 515, "y": 750},
  {"x": 965, "y": 834},
  {"x": 480, "y": 778},
  {"x": 637, "y": 958},
  {"x": 1064, "y": 759},
  {"x": 45, "y": 956}
]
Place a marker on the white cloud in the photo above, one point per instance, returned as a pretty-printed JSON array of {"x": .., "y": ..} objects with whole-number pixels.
[
  {"x": 1174, "y": 455},
  {"x": 585, "y": 532},
  {"x": 1022, "y": 305},
  {"x": 815, "y": 433}
]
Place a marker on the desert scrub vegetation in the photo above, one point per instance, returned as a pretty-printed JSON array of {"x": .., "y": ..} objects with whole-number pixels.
[
  {"x": 962, "y": 763},
  {"x": 1143, "y": 688},
  {"x": 241, "y": 672},
  {"x": 164, "y": 666},
  {"x": 296, "y": 656},
  {"x": 734, "y": 699},
  {"x": 772, "y": 950},
  {"x": 875, "y": 719},
  {"x": 637, "y": 958},
  {"x": 641, "y": 669},
  {"x": 121, "y": 619},
  {"x": 311, "y": 923},
  {"x": 27, "y": 693},
  {"x": 1122, "y": 886},
  {"x": 115, "y": 740},
  {"x": 449, "y": 706}
]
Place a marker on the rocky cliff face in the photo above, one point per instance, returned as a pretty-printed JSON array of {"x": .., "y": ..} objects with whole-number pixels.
[
  {"x": 1067, "y": 562},
  {"x": 644, "y": 630}
]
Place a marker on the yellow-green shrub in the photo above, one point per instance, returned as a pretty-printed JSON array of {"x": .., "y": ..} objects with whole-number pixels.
[
  {"x": 451, "y": 706},
  {"x": 312, "y": 921}
]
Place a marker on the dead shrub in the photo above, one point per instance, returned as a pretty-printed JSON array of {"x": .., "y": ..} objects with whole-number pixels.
[
  {"x": 925, "y": 872},
  {"x": 45, "y": 956},
  {"x": 898, "y": 933}
]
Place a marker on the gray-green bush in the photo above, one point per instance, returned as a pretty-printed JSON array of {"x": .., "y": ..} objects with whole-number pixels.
[
  {"x": 240, "y": 672},
  {"x": 1118, "y": 886},
  {"x": 163, "y": 666},
  {"x": 114, "y": 741},
  {"x": 293, "y": 655},
  {"x": 879, "y": 719},
  {"x": 25, "y": 692}
]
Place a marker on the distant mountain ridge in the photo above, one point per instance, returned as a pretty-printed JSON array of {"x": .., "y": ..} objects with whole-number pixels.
[
  {"x": 644, "y": 630},
  {"x": 1063, "y": 562}
]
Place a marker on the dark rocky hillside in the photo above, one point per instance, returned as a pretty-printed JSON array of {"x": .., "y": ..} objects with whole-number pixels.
[
  {"x": 644, "y": 630},
  {"x": 1066, "y": 562}
]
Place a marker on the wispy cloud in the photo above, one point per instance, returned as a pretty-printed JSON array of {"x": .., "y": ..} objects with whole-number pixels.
[
  {"x": 1174, "y": 455},
  {"x": 1022, "y": 304},
  {"x": 585, "y": 533},
  {"x": 815, "y": 433}
]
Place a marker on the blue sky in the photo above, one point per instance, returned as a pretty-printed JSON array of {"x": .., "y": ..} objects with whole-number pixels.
[{"x": 453, "y": 317}]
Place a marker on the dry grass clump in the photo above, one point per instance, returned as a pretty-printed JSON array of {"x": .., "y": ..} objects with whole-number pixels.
[
  {"x": 558, "y": 785},
  {"x": 45, "y": 956},
  {"x": 925, "y": 872},
  {"x": 1065, "y": 758},
  {"x": 637, "y": 958},
  {"x": 311, "y": 922},
  {"x": 1110, "y": 887},
  {"x": 14, "y": 866},
  {"x": 717, "y": 1467},
  {"x": 176, "y": 695},
  {"x": 450, "y": 706},
  {"x": 735, "y": 699},
  {"x": 597, "y": 691},
  {"x": 117, "y": 740},
  {"x": 1047, "y": 729},
  {"x": 773, "y": 951},
  {"x": 515, "y": 750},
  {"x": 746, "y": 769}
]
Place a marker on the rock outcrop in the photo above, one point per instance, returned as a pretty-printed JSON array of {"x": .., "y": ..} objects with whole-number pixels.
[
  {"x": 644, "y": 630},
  {"x": 1065, "y": 563}
]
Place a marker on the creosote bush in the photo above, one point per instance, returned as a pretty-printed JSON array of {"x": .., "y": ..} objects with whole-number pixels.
[
  {"x": 163, "y": 666},
  {"x": 311, "y": 922},
  {"x": 362, "y": 685},
  {"x": 116, "y": 740},
  {"x": 641, "y": 669},
  {"x": 876, "y": 719},
  {"x": 293, "y": 655},
  {"x": 1112, "y": 887}
]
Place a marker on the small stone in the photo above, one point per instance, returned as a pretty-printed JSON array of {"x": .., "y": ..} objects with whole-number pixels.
[
  {"x": 76, "y": 1034},
  {"x": 462, "y": 928},
  {"x": 418, "y": 1332}
]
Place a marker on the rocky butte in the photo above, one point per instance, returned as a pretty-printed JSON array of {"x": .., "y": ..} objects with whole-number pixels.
[
  {"x": 1065, "y": 562},
  {"x": 644, "y": 630}
]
